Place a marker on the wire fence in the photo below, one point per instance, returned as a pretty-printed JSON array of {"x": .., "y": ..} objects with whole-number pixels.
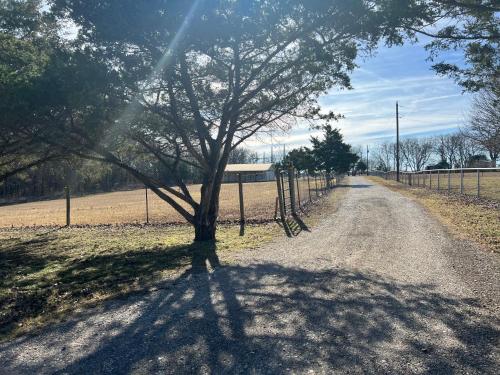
[
  {"x": 298, "y": 189},
  {"x": 478, "y": 182},
  {"x": 138, "y": 205}
]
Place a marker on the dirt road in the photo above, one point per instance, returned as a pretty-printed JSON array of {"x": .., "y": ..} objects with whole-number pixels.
[{"x": 378, "y": 287}]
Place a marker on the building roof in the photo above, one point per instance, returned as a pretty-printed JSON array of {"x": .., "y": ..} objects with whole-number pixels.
[{"x": 248, "y": 168}]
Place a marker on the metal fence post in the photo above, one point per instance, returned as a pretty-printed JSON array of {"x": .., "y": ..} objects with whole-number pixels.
[
  {"x": 297, "y": 176},
  {"x": 242, "y": 205},
  {"x": 461, "y": 181},
  {"x": 68, "y": 206},
  {"x": 478, "y": 183},
  {"x": 280, "y": 193},
  {"x": 309, "y": 187},
  {"x": 439, "y": 181},
  {"x": 147, "y": 207},
  {"x": 291, "y": 184},
  {"x": 449, "y": 180}
]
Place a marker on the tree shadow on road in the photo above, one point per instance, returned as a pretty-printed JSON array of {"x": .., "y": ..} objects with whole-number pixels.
[{"x": 266, "y": 318}]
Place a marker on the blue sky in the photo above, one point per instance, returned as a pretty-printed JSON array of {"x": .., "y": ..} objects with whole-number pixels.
[{"x": 429, "y": 104}]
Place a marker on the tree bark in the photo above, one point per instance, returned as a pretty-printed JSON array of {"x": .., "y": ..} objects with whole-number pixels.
[{"x": 205, "y": 221}]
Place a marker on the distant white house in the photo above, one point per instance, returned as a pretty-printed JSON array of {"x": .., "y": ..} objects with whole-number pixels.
[{"x": 249, "y": 172}]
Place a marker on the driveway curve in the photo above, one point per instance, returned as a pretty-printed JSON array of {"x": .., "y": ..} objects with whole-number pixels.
[{"x": 379, "y": 286}]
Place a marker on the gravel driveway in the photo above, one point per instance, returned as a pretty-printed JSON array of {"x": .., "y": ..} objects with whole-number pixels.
[{"x": 378, "y": 287}]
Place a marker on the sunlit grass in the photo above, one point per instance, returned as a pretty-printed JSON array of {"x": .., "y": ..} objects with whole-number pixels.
[{"x": 44, "y": 275}]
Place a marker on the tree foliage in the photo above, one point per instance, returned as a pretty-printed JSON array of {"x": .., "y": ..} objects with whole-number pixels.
[
  {"x": 188, "y": 81},
  {"x": 332, "y": 154}
]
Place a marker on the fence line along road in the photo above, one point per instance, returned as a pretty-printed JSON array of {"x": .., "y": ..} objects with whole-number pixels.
[{"x": 479, "y": 182}]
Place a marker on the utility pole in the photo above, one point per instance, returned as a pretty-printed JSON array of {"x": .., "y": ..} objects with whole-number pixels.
[
  {"x": 367, "y": 166},
  {"x": 397, "y": 141}
]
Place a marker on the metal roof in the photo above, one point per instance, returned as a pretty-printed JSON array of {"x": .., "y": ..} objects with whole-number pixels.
[{"x": 248, "y": 168}]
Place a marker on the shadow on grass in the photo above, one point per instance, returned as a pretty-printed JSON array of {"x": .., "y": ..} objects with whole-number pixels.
[
  {"x": 35, "y": 284},
  {"x": 267, "y": 318}
]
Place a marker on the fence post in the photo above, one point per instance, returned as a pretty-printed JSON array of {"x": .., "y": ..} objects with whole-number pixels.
[
  {"x": 430, "y": 180},
  {"x": 68, "y": 206},
  {"x": 439, "y": 181},
  {"x": 309, "y": 187},
  {"x": 316, "y": 184},
  {"x": 449, "y": 180},
  {"x": 478, "y": 183},
  {"x": 461, "y": 181},
  {"x": 297, "y": 176},
  {"x": 147, "y": 207},
  {"x": 292, "y": 188},
  {"x": 242, "y": 205},
  {"x": 280, "y": 193}
]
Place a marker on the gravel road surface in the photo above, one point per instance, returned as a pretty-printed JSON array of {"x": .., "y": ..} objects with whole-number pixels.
[{"x": 378, "y": 287}]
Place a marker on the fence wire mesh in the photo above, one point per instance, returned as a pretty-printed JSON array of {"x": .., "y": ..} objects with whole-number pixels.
[{"x": 478, "y": 182}]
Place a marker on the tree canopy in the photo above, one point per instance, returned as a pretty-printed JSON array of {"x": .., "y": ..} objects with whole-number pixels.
[
  {"x": 184, "y": 82},
  {"x": 332, "y": 154}
]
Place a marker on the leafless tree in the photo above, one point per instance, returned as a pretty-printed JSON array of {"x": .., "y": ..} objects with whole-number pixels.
[
  {"x": 483, "y": 126},
  {"x": 384, "y": 155},
  {"x": 416, "y": 152}
]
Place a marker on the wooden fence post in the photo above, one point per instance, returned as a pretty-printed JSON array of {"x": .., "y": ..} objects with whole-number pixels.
[
  {"x": 439, "y": 181},
  {"x": 449, "y": 180},
  {"x": 242, "y": 205},
  {"x": 68, "y": 206},
  {"x": 316, "y": 184}
]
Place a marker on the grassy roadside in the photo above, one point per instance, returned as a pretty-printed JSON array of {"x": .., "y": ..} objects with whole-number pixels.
[
  {"x": 45, "y": 275},
  {"x": 465, "y": 218}
]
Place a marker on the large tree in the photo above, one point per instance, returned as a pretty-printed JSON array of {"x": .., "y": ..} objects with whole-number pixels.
[
  {"x": 189, "y": 81},
  {"x": 483, "y": 126},
  {"x": 416, "y": 152}
]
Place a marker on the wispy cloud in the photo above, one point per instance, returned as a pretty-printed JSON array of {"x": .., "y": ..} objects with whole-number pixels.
[{"x": 429, "y": 104}]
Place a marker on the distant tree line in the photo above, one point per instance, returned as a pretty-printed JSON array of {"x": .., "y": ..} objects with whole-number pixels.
[
  {"x": 47, "y": 180},
  {"x": 477, "y": 143}
]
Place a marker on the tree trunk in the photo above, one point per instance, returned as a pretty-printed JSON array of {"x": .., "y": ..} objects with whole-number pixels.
[
  {"x": 205, "y": 221},
  {"x": 205, "y": 230}
]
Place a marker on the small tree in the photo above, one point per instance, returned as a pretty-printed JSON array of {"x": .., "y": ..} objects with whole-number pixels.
[
  {"x": 331, "y": 153},
  {"x": 361, "y": 166},
  {"x": 302, "y": 159}
]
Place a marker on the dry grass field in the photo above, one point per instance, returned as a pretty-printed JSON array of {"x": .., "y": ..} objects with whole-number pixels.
[
  {"x": 130, "y": 207},
  {"x": 489, "y": 183}
]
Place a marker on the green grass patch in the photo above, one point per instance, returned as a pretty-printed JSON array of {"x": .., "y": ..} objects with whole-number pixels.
[
  {"x": 44, "y": 275},
  {"x": 466, "y": 218}
]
